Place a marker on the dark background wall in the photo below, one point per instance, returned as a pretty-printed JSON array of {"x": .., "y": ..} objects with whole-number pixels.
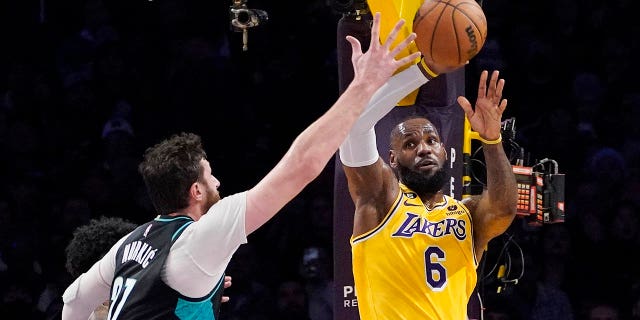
[{"x": 87, "y": 85}]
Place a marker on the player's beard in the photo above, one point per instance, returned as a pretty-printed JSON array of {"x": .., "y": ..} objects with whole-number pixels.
[
  {"x": 422, "y": 183},
  {"x": 212, "y": 197}
]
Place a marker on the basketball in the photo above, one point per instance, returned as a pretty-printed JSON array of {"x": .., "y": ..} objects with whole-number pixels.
[{"x": 450, "y": 32}]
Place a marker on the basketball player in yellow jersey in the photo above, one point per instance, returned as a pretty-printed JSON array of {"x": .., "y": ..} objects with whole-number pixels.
[{"x": 415, "y": 250}]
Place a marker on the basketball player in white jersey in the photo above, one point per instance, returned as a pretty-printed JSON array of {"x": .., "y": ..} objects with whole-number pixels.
[{"x": 173, "y": 266}]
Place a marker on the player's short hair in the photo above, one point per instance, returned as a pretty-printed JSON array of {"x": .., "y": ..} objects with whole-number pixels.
[{"x": 169, "y": 168}]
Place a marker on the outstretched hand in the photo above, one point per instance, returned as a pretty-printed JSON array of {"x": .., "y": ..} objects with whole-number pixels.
[
  {"x": 486, "y": 118},
  {"x": 378, "y": 64}
]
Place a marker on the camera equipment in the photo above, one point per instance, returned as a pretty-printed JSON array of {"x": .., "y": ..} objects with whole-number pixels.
[
  {"x": 242, "y": 18},
  {"x": 508, "y": 128},
  {"x": 552, "y": 192},
  {"x": 529, "y": 184},
  {"x": 540, "y": 186},
  {"x": 540, "y": 193}
]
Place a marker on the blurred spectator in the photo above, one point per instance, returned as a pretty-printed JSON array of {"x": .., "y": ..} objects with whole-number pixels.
[
  {"x": 320, "y": 226},
  {"x": 556, "y": 255},
  {"x": 588, "y": 93},
  {"x": 533, "y": 297},
  {"x": 497, "y": 307},
  {"x": 602, "y": 310},
  {"x": 291, "y": 301},
  {"x": 624, "y": 231},
  {"x": 315, "y": 270},
  {"x": 17, "y": 300},
  {"x": 491, "y": 57},
  {"x": 635, "y": 303},
  {"x": 248, "y": 295}
]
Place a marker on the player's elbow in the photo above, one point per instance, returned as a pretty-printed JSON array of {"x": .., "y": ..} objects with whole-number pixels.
[
  {"x": 506, "y": 207},
  {"x": 312, "y": 168},
  {"x": 306, "y": 166},
  {"x": 503, "y": 204},
  {"x": 509, "y": 212}
]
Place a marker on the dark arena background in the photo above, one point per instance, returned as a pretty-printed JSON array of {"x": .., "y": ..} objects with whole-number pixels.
[{"x": 87, "y": 85}]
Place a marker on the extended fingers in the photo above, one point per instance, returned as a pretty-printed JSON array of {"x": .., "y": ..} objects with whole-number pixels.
[
  {"x": 407, "y": 41},
  {"x": 493, "y": 84},
  {"x": 482, "y": 84},
  {"x": 391, "y": 38},
  {"x": 496, "y": 87},
  {"x": 394, "y": 34},
  {"x": 499, "y": 88},
  {"x": 410, "y": 58},
  {"x": 502, "y": 106},
  {"x": 375, "y": 31}
]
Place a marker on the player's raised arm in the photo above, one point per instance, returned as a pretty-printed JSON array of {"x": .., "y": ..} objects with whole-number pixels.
[
  {"x": 495, "y": 209},
  {"x": 316, "y": 145}
]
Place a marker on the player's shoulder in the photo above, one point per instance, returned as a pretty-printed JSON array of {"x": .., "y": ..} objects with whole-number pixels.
[{"x": 471, "y": 202}]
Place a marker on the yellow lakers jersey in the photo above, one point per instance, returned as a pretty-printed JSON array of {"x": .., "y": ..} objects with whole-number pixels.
[
  {"x": 417, "y": 263},
  {"x": 391, "y": 11}
]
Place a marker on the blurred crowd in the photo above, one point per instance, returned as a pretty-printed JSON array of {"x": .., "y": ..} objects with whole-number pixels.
[{"x": 86, "y": 85}]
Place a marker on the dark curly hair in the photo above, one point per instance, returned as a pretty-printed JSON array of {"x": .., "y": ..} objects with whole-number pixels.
[
  {"x": 92, "y": 241},
  {"x": 169, "y": 168}
]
